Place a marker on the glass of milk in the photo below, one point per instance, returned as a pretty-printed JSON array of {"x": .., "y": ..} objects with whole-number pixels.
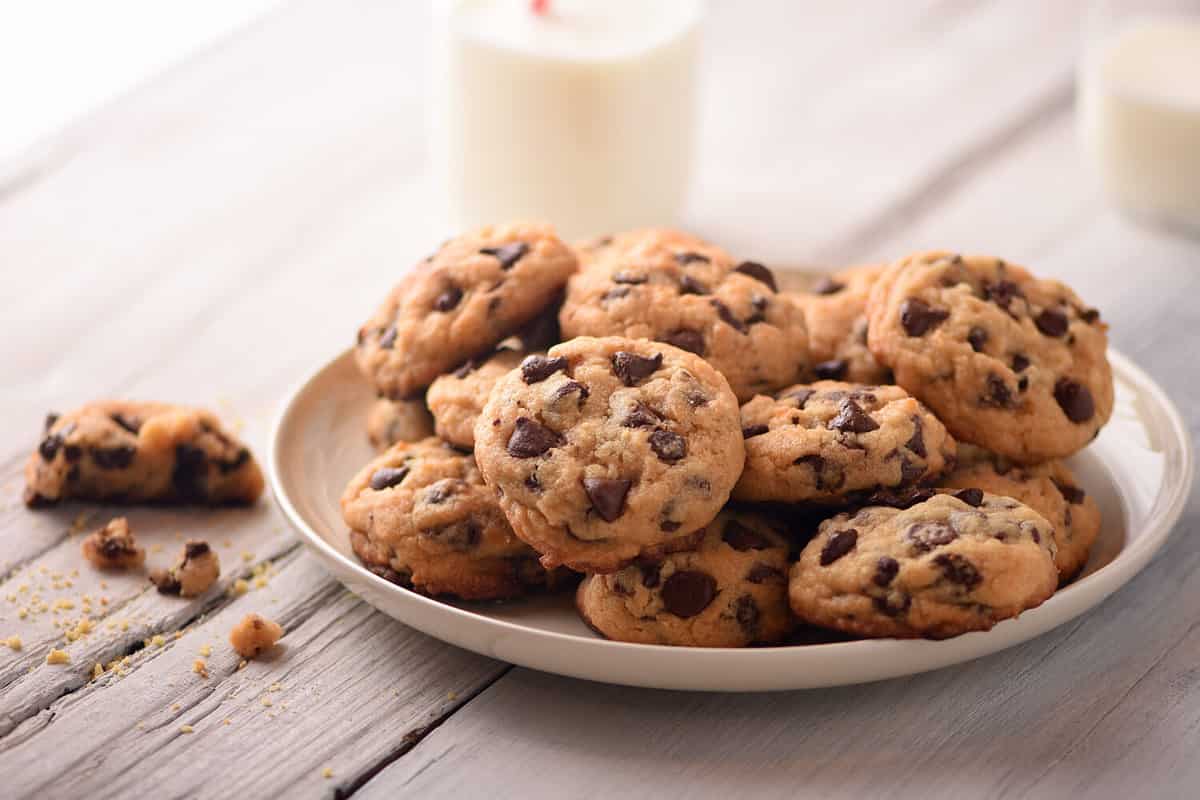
[
  {"x": 1139, "y": 107},
  {"x": 580, "y": 112}
]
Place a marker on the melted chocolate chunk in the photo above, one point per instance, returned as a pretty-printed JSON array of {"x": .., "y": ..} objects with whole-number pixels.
[
  {"x": 839, "y": 544},
  {"x": 1072, "y": 494},
  {"x": 689, "y": 285},
  {"x": 1052, "y": 322},
  {"x": 460, "y": 536},
  {"x": 632, "y": 369},
  {"x": 745, "y": 611},
  {"x": 894, "y": 604},
  {"x": 49, "y": 446},
  {"x": 115, "y": 457},
  {"x": 651, "y": 572},
  {"x": 535, "y": 369},
  {"x": 996, "y": 392},
  {"x": 817, "y": 464},
  {"x": 759, "y": 273},
  {"x": 668, "y": 446},
  {"x": 727, "y": 316},
  {"x": 832, "y": 370},
  {"x": 607, "y": 496},
  {"x": 133, "y": 426},
  {"x": 1002, "y": 293},
  {"x": 614, "y": 294},
  {"x": 958, "y": 570},
  {"x": 391, "y": 576},
  {"x": 886, "y": 569},
  {"x": 742, "y": 538},
  {"x": 187, "y": 476},
  {"x": 51, "y": 418},
  {"x": 852, "y": 419},
  {"x": 916, "y": 442},
  {"x": 640, "y": 416},
  {"x": 226, "y": 467},
  {"x": 801, "y": 396},
  {"x": 686, "y": 339},
  {"x": 1020, "y": 363},
  {"x": 977, "y": 337},
  {"x": 530, "y": 439},
  {"x": 902, "y": 499},
  {"x": 1089, "y": 315},
  {"x": 508, "y": 254},
  {"x": 972, "y": 497},
  {"x": 754, "y": 430},
  {"x": 571, "y": 387},
  {"x": 1075, "y": 400},
  {"x": 918, "y": 318},
  {"x": 688, "y": 592},
  {"x": 448, "y": 299},
  {"x": 765, "y": 573},
  {"x": 631, "y": 278},
  {"x": 926, "y": 536}
]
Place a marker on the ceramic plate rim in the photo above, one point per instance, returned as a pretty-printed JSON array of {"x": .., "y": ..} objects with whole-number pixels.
[{"x": 1065, "y": 605}]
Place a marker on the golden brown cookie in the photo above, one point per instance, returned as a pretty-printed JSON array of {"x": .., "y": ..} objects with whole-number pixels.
[
  {"x": 391, "y": 421},
  {"x": 835, "y": 313}
]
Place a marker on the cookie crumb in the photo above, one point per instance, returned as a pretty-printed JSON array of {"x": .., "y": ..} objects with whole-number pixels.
[
  {"x": 56, "y": 656},
  {"x": 240, "y": 587},
  {"x": 327, "y": 773},
  {"x": 197, "y": 569},
  {"x": 113, "y": 547},
  {"x": 13, "y": 642},
  {"x": 97, "y": 670},
  {"x": 200, "y": 668},
  {"x": 253, "y": 635},
  {"x": 266, "y": 701},
  {"x": 186, "y": 729},
  {"x": 206, "y": 650},
  {"x": 451, "y": 695},
  {"x": 156, "y": 640}
]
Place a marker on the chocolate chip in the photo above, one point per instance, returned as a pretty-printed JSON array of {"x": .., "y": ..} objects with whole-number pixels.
[
  {"x": 759, "y": 273},
  {"x": 958, "y": 570},
  {"x": 826, "y": 285},
  {"x": 507, "y": 254},
  {"x": 669, "y": 525},
  {"x": 441, "y": 491},
  {"x": 632, "y": 369},
  {"x": 571, "y": 387},
  {"x": 532, "y": 483},
  {"x": 688, "y": 592},
  {"x": 49, "y": 446},
  {"x": 727, "y": 316},
  {"x": 686, "y": 339},
  {"x": 1020, "y": 363},
  {"x": 754, "y": 430},
  {"x": 114, "y": 457},
  {"x": 926, "y": 536},
  {"x": 133, "y": 426},
  {"x": 839, "y": 543},
  {"x": 614, "y": 294},
  {"x": 165, "y": 581},
  {"x": 801, "y": 396},
  {"x": 1072, "y": 494},
  {"x": 910, "y": 471},
  {"x": 689, "y": 285},
  {"x": 391, "y": 576},
  {"x": 996, "y": 392},
  {"x": 640, "y": 416},
  {"x": 187, "y": 476},
  {"x": 700, "y": 484},
  {"x": 448, "y": 299},
  {"x": 1089, "y": 315},
  {"x": 683, "y": 259},
  {"x": 763, "y": 573},
  {"x": 1022, "y": 383},
  {"x": 1002, "y": 293},
  {"x": 461, "y": 536},
  {"x": 51, "y": 418},
  {"x": 918, "y": 318},
  {"x": 977, "y": 337},
  {"x": 194, "y": 549},
  {"x": 530, "y": 439},
  {"x": 745, "y": 611},
  {"x": 1074, "y": 399},
  {"x": 899, "y": 499},
  {"x": 916, "y": 442},
  {"x": 228, "y": 466},
  {"x": 651, "y": 572},
  {"x": 629, "y": 278},
  {"x": 387, "y": 477},
  {"x": 668, "y": 446},
  {"x": 696, "y": 399},
  {"x": 760, "y": 305},
  {"x": 742, "y": 538},
  {"x": 852, "y": 419},
  {"x": 832, "y": 370},
  {"x": 894, "y": 604},
  {"x": 972, "y": 497},
  {"x": 607, "y": 496},
  {"x": 1051, "y": 322},
  {"x": 389, "y": 338},
  {"x": 885, "y": 570},
  {"x": 817, "y": 464},
  {"x": 535, "y": 369}
]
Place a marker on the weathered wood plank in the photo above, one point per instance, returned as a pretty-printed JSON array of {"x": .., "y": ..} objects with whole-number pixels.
[{"x": 348, "y": 689}]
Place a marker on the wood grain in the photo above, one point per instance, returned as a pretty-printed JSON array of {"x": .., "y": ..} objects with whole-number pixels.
[{"x": 217, "y": 233}]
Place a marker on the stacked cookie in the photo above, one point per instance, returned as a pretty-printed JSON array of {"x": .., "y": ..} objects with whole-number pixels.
[{"x": 717, "y": 469}]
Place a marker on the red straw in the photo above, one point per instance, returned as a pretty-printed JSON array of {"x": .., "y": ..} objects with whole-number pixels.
[{"x": 540, "y": 7}]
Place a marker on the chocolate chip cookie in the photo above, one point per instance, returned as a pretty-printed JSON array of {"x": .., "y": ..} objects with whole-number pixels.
[
  {"x": 1007, "y": 361},
  {"x": 456, "y": 399},
  {"x": 950, "y": 564},
  {"x": 1050, "y": 489},
  {"x": 421, "y": 517},
  {"x": 835, "y": 312},
  {"x": 606, "y": 449},
  {"x": 832, "y": 443},
  {"x": 129, "y": 452},
  {"x": 730, "y": 591},
  {"x": 391, "y": 421},
  {"x": 670, "y": 287},
  {"x": 476, "y": 290}
]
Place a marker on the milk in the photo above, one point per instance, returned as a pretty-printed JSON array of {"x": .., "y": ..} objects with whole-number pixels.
[
  {"x": 584, "y": 115},
  {"x": 1140, "y": 118}
]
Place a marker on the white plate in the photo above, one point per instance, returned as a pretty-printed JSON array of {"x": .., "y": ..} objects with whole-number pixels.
[{"x": 1139, "y": 470}]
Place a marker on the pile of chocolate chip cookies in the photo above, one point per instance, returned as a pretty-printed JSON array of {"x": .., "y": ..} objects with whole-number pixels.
[{"x": 726, "y": 463}]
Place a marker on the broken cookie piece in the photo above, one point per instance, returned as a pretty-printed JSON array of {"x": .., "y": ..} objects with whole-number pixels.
[
  {"x": 198, "y": 569},
  {"x": 113, "y": 547},
  {"x": 127, "y": 452},
  {"x": 254, "y": 635}
]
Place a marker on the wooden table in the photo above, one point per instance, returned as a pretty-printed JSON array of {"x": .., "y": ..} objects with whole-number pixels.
[{"x": 214, "y": 235}]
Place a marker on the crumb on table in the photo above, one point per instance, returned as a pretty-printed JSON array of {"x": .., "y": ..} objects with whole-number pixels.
[
  {"x": 113, "y": 547},
  {"x": 197, "y": 569},
  {"x": 253, "y": 635},
  {"x": 56, "y": 656}
]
